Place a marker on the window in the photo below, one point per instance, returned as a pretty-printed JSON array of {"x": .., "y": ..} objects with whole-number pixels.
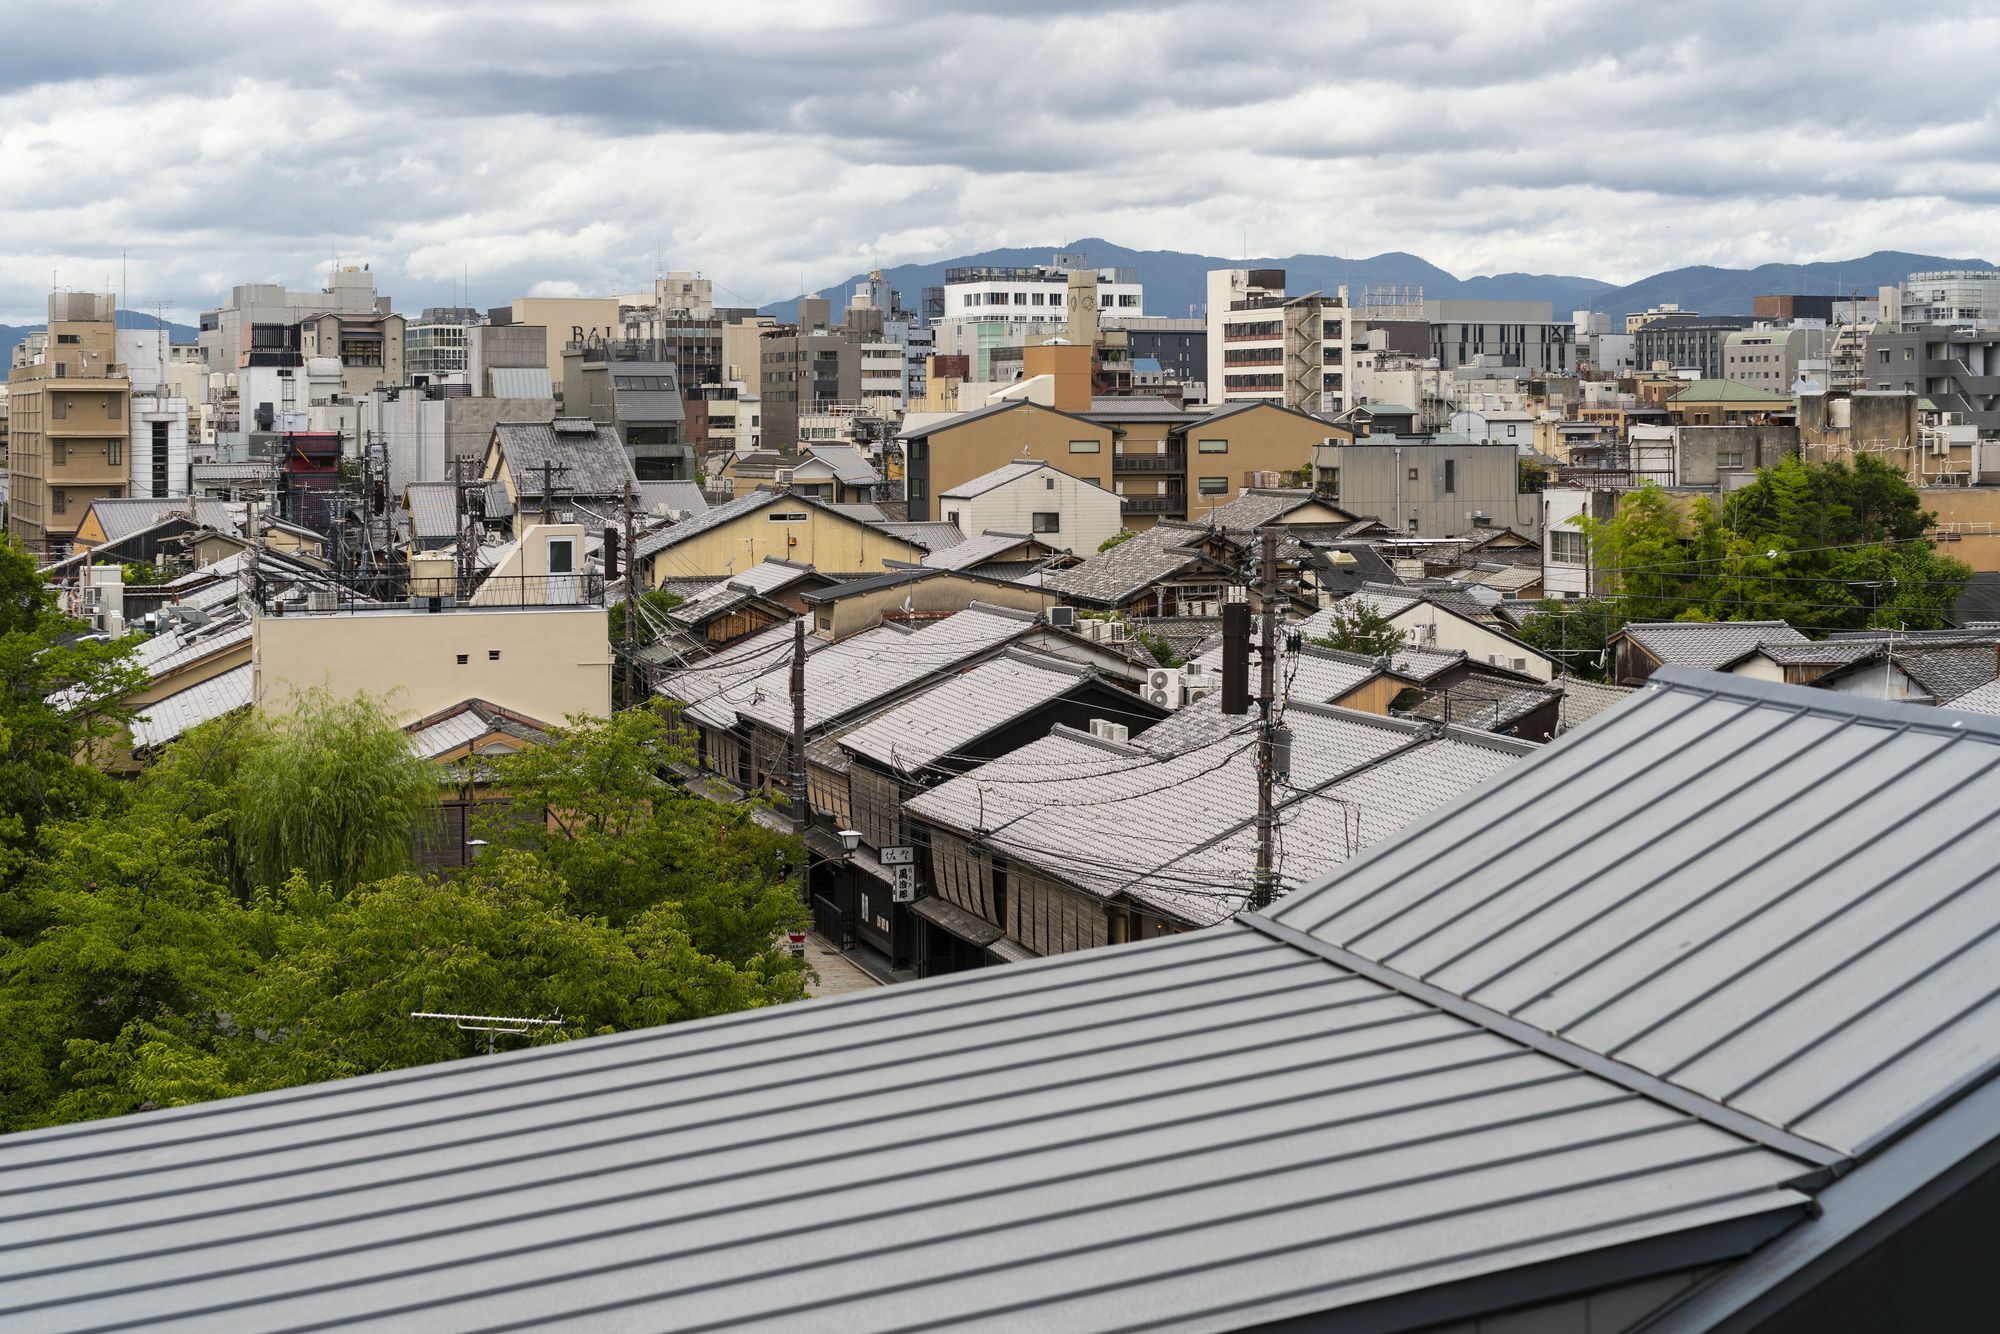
[
  {"x": 562, "y": 555},
  {"x": 1330, "y": 479},
  {"x": 1413, "y": 474},
  {"x": 1567, "y": 546},
  {"x": 1046, "y": 521},
  {"x": 1510, "y": 433},
  {"x": 1728, "y": 458},
  {"x": 1451, "y": 472},
  {"x": 114, "y": 407},
  {"x": 58, "y": 453},
  {"x": 1884, "y": 354},
  {"x": 1212, "y": 447},
  {"x": 464, "y": 658},
  {"x": 1048, "y": 483},
  {"x": 68, "y": 338},
  {"x": 1909, "y": 354},
  {"x": 1212, "y": 486},
  {"x": 493, "y": 655},
  {"x": 1086, "y": 446},
  {"x": 951, "y": 516},
  {"x": 788, "y": 516},
  {"x": 58, "y": 406},
  {"x": 114, "y": 452},
  {"x": 59, "y": 501}
]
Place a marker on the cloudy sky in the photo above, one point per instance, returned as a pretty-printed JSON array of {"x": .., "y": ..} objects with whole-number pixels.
[{"x": 552, "y": 148}]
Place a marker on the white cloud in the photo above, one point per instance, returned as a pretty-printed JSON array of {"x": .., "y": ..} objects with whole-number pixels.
[{"x": 560, "y": 148}]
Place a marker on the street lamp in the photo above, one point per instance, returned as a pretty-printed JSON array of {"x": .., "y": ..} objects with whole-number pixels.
[
  {"x": 472, "y": 847},
  {"x": 850, "y": 839}
]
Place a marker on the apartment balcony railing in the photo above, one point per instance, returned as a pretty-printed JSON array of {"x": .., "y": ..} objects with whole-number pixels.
[
  {"x": 1156, "y": 504},
  {"x": 398, "y": 591},
  {"x": 1149, "y": 463}
]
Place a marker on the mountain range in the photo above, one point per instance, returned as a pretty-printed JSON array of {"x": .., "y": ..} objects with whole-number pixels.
[
  {"x": 11, "y": 334},
  {"x": 1176, "y": 282}
]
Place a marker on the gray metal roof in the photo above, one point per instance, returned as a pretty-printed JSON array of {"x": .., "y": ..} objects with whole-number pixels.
[
  {"x": 1208, "y": 1131},
  {"x": 1778, "y": 898},
  {"x": 521, "y": 382},
  {"x": 1705, "y": 646},
  {"x": 975, "y": 551},
  {"x": 849, "y": 464},
  {"x": 587, "y": 457},
  {"x": 164, "y": 719},
  {"x": 987, "y": 481},
  {"x": 931, "y": 535},
  {"x": 433, "y": 508},
  {"x": 1485, "y": 700},
  {"x": 961, "y": 709},
  {"x": 679, "y": 499}
]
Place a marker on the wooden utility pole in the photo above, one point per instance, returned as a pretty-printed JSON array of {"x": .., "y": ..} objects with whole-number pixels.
[
  {"x": 631, "y": 613},
  {"x": 801, "y": 809},
  {"x": 1262, "y": 889}
]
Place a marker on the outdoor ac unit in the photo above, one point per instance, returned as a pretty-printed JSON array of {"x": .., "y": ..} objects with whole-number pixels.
[
  {"x": 322, "y": 599},
  {"x": 1109, "y": 731},
  {"x": 1117, "y": 631},
  {"x": 1062, "y": 618},
  {"x": 785, "y": 476},
  {"x": 1194, "y": 694},
  {"x": 1163, "y": 687}
]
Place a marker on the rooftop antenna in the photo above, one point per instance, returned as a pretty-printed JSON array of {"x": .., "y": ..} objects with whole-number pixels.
[{"x": 489, "y": 1024}]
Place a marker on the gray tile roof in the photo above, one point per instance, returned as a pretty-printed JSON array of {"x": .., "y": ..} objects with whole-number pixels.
[
  {"x": 1208, "y": 1131},
  {"x": 1584, "y": 700},
  {"x": 1486, "y": 701},
  {"x": 870, "y": 514},
  {"x": 588, "y": 459},
  {"x": 727, "y": 512},
  {"x": 433, "y": 508},
  {"x": 124, "y": 516},
  {"x": 718, "y": 599},
  {"x": 963, "y": 708},
  {"x": 1706, "y": 646},
  {"x": 931, "y": 535},
  {"x": 1259, "y": 507},
  {"x": 1776, "y": 898},
  {"x": 1128, "y": 569},
  {"x": 976, "y": 551},
  {"x": 679, "y": 499},
  {"x": 849, "y": 464},
  {"x": 1985, "y": 699}
]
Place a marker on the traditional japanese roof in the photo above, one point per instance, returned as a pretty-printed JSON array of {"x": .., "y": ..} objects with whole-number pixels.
[
  {"x": 1484, "y": 700},
  {"x": 1706, "y": 645},
  {"x": 1584, "y": 700},
  {"x": 999, "y": 477},
  {"x": 961, "y": 709},
  {"x": 850, "y": 466},
  {"x": 165, "y": 719},
  {"x": 126, "y": 516},
  {"x": 1729, "y": 391},
  {"x": 587, "y": 458},
  {"x": 1131, "y": 567},
  {"x": 1984, "y": 699},
  {"x": 988, "y": 546},
  {"x": 467, "y": 722}
]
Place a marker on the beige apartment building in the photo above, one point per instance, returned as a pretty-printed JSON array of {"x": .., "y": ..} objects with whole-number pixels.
[
  {"x": 69, "y": 424},
  {"x": 569, "y": 319}
]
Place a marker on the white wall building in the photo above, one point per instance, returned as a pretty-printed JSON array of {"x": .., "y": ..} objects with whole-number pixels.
[
  {"x": 1266, "y": 347},
  {"x": 1032, "y": 497},
  {"x": 984, "y": 307}
]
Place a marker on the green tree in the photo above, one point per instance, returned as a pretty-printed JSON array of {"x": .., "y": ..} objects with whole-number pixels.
[
  {"x": 653, "y": 606},
  {"x": 1646, "y": 553},
  {"x": 61, "y": 696},
  {"x": 332, "y": 790},
  {"x": 1356, "y": 627},
  {"x": 1119, "y": 538},
  {"x": 1575, "y": 632}
]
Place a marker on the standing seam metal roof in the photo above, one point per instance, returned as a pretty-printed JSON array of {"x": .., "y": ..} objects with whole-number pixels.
[
  {"x": 1207, "y": 1131},
  {"x": 1778, "y": 898},
  {"x": 963, "y": 708}
]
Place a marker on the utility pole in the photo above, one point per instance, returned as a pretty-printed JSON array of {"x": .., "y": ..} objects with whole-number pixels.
[
  {"x": 631, "y": 567},
  {"x": 1261, "y": 892},
  {"x": 801, "y": 809}
]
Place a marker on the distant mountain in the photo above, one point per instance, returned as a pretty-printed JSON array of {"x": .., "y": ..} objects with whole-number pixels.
[
  {"x": 1715, "y": 291},
  {"x": 1176, "y": 282},
  {"x": 11, "y": 334}
]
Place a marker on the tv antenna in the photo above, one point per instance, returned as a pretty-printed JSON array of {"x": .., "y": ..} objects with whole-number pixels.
[{"x": 490, "y": 1024}]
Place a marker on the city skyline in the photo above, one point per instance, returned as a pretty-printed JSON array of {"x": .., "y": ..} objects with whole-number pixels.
[{"x": 569, "y": 151}]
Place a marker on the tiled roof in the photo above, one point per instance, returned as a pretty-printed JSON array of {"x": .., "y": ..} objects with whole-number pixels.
[
  {"x": 711, "y": 688},
  {"x": 975, "y": 551},
  {"x": 679, "y": 499},
  {"x": 465, "y": 723},
  {"x": 124, "y": 516},
  {"x": 963, "y": 708},
  {"x": 1707, "y": 646},
  {"x": 587, "y": 458},
  {"x": 727, "y": 512},
  {"x": 930, "y": 534},
  {"x": 1488, "y": 702},
  {"x": 433, "y": 508},
  {"x": 718, "y": 599},
  {"x": 1984, "y": 699},
  {"x": 1584, "y": 700},
  {"x": 1729, "y": 391},
  {"x": 165, "y": 719},
  {"x": 1128, "y": 569},
  {"x": 1771, "y": 899},
  {"x": 849, "y": 464}
]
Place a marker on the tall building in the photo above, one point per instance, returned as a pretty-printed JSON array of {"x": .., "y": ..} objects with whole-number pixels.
[
  {"x": 1773, "y": 357},
  {"x": 1956, "y": 368},
  {"x": 437, "y": 345},
  {"x": 984, "y": 307},
  {"x": 159, "y": 417},
  {"x": 1266, "y": 347},
  {"x": 1686, "y": 342},
  {"x": 633, "y": 387},
  {"x": 68, "y": 424},
  {"x": 1964, "y": 297},
  {"x": 1180, "y": 346},
  {"x": 1521, "y": 333}
]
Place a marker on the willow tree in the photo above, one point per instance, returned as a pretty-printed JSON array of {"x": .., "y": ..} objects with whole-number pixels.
[{"x": 333, "y": 792}]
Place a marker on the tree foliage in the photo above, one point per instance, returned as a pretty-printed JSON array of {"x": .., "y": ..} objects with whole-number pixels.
[
  {"x": 1356, "y": 627},
  {"x": 1119, "y": 538},
  {"x": 1823, "y": 546}
]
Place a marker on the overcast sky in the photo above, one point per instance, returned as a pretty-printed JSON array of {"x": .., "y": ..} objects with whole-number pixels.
[{"x": 556, "y": 148}]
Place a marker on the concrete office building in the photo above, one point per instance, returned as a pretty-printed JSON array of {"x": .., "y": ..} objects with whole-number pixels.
[
  {"x": 437, "y": 345},
  {"x": 256, "y": 315},
  {"x": 982, "y": 308},
  {"x": 505, "y": 359},
  {"x": 1419, "y": 486},
  {"x": 1179, "y": 345},
  {"x": 159, "y": 427},
  {"x": 1962, "y": 297},
  {"x": 1956, "y": 368},
  {"x": 565, "y": 320},
  {"x": 1685, "y": 342},
  {"x": 1779, "y": 308},
  {"x": 1267, "y": 347},
  {"x": 804, "y": 366},
  {"x": 634, "y": 388},
  {"x": 68, "y": 420},
  {"x": 1521, "y": 333},
  {"x": 1772, "y": 357}
]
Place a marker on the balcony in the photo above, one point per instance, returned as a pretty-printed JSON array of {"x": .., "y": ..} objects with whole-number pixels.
[
  {"x": 1156, "y": 505},
  {"x": 360, "y": 593},
  {"x": 1149, "y": 463}
]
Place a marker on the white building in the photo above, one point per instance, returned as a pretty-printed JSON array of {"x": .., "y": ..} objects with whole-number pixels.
[
  {"x": 1032, "y": 497},
  {"x": 984, "y": 307},
  {"x": 883, "y": 367},
  {"x": 1497, "y": 426},
  {"x": 1266, "y": 347},
  {"x": 1952, "y": 296},
  {"x": 437, "y": 345},
  {"x": 158, "y": 453}
]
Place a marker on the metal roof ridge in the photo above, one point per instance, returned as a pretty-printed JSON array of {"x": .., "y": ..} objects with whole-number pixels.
[
  {"x": 1836, "y": 704},
  {"x": 1829, "y": 1162}
]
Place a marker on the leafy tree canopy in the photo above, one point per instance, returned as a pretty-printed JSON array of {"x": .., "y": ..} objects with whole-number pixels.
[{"x": 1358, "y": 628}]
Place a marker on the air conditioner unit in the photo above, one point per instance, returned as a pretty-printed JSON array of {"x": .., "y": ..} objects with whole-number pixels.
[
  {"x": 785, "y": 476},
  {"x": 1062, "y": 618},
  {"x": 1194, "y": 694},
  {"x": 1117, "y": 632},
  {"x": 322, "y": 599},
  {"x": 1109, "y": 731},
  {"x": 1163, "y": 687}
]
